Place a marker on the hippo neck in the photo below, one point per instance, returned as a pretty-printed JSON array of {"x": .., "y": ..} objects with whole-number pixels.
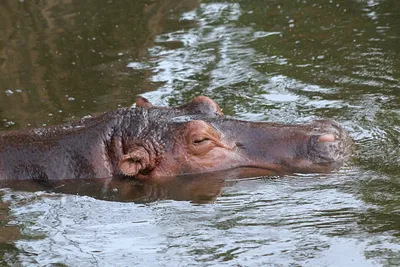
[{"x": 74, "y": 150}]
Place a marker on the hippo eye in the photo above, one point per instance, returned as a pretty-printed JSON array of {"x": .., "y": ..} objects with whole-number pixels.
[{"x": 200, "y": 141}]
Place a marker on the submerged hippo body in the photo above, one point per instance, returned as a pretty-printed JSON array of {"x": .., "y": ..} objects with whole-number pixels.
[{"x": 157, "y": 142}]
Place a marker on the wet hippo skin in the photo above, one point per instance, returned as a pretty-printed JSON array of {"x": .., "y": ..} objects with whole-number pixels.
[{"x": 153, "y": 143}]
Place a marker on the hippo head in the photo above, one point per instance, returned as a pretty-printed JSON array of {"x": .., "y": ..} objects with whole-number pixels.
[{"x": 159, "y": 142}]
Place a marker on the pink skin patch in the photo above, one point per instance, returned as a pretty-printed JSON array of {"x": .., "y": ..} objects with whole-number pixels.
[{"x": 326, "y": 138}]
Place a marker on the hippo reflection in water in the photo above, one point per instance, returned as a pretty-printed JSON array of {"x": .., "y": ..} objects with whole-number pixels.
[{"x": 153, "y": 143}]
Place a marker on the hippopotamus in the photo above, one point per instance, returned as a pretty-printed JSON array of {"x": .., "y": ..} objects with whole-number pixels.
[{"x": 152, "y": 143}]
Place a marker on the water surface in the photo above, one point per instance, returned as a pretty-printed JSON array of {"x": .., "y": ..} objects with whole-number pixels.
[{"x": 284, "y": 61}]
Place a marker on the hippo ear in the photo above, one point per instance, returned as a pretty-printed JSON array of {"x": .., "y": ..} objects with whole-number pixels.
[
  {"x": 202, "y": 105},
  {"x": 143, "y": 102},
  {"x": 134, "y": 162}
]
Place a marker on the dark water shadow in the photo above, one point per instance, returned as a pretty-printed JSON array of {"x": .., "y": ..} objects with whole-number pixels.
[{"x": 197, "y": 189}]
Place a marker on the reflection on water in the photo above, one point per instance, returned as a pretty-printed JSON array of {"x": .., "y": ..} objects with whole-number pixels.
[
  {"x": 285, "y": 61},
  {"x": 285, "y": 221},
  {"x": 204, "y": 188}
]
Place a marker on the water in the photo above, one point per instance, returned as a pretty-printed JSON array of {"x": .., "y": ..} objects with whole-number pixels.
[{"x": 285, "y": 61}]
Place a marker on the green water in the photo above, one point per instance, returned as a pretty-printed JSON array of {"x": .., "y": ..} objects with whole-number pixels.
[{"x": 285, "y": 61}]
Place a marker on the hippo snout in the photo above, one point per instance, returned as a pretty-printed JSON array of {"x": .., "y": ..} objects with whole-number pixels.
[{"x": 329, "y": 143}]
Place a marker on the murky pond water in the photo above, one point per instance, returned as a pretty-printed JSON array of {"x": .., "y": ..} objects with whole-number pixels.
[{"x": 285, "y": 61}]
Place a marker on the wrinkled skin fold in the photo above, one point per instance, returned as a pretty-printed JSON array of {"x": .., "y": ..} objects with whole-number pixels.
[{"x": 154, "y": 143}]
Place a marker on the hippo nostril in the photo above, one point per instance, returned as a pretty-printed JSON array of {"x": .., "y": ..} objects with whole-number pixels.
[{"x": 326, "y": 138}]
